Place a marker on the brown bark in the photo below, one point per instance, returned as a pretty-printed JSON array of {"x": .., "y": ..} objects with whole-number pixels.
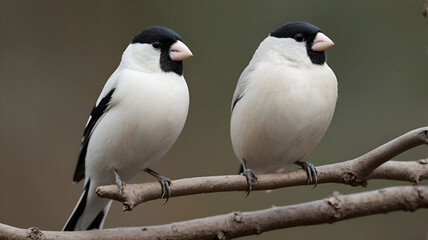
[
  {"x": 354, "y": 172},
  {"x": 135, "y": 194}
]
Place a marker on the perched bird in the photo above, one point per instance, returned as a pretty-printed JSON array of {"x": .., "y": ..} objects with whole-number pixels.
[
  {"x": 283, "y": 102},
  {"x": 135, "y": 121}
]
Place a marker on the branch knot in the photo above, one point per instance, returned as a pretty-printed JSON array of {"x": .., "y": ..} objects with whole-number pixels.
[
  {"x": 35, "y": 233},
  {"x": 423, "y": 161},
  {"x": 221, "y": 236},
  {"x": 237, "y": 216},
  {"x": 424, "y": 136},
  {"x": 351, "y": 179},
  {"x": 335, "y": 204}
]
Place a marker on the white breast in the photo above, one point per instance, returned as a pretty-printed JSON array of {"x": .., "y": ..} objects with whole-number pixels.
[
  {"x": 283, "y": 114},
  {"x": 147, "y": 115}
]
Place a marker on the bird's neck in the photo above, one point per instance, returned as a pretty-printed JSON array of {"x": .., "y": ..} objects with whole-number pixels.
[{"x": 139, "y": 62}]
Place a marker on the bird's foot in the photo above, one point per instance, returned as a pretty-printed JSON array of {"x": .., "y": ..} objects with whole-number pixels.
[
  {"x": 164, "y": 182},
  {"x": 119, "y": 182},
  {"x": 166, "y": 190},
  {"x": 311, "y": 171},
  {"x": 251, "y": 178}
]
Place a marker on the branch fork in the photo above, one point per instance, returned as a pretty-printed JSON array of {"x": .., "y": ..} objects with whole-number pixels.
[{"x": 356, "y": 172}]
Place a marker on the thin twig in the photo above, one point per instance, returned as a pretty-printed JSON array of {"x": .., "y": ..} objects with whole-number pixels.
[
  {"x": 354, "y": 172},
  {"x": 237, "y": 224},
  {"x": 367, "y": 163}
]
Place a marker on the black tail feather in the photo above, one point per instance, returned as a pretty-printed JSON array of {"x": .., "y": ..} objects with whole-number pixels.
[
  {"x": 71, "y": 223},
  {"x": 97, "y": 221}
]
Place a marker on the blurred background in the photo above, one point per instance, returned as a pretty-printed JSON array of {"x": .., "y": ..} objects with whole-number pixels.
[{"x": 55, "y": 57}]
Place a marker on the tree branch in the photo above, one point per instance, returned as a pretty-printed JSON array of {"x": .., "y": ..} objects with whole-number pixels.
[
  {"x": 363, "y": 166},
  {"x": 237, "y": 224},
  {"x": 354, "y": 172}
]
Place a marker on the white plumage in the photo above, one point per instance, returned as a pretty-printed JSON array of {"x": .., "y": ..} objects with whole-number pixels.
[
  {"x": 282, "y": 105},
  {"x": 143, "y": 118}
]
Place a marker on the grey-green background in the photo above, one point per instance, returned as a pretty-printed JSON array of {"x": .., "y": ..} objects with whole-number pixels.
[{"x": 57, "y": 55}]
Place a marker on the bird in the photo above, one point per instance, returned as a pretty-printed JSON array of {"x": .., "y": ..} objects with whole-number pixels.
[
  {"x": 283, "y": 102},
  {"x": 138, "y": 116}
]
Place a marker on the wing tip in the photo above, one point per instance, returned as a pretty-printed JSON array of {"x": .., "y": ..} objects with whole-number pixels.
[{"x": 78, "y": 175}]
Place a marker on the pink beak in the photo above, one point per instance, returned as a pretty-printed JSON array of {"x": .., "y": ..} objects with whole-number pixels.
[
  {"x": 179, "y": 51},
  {"x": 321, "y": 42}
]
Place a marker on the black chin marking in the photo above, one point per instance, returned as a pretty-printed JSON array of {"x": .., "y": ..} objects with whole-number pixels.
[
  {"x": 318, "y": 58},
  {"x": 168, "y": 65}
]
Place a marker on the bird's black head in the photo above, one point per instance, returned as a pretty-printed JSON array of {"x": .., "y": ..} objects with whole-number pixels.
[
  {"x": 161, "y": 38},
  {"x": 302, "y": 32}
]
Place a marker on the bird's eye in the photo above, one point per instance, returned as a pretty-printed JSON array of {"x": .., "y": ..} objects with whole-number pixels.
[
  {"x": 156, "y": 44},
  {"x": 299, "y": 37}
]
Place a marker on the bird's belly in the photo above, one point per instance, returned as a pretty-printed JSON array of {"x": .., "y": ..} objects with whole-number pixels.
[
  {"x": 134, "y": 136},
  {"x": 272, "y": 132}
]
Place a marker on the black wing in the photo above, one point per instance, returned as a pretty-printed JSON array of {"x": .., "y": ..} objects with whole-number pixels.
[{"x": 96, "y": 114}]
